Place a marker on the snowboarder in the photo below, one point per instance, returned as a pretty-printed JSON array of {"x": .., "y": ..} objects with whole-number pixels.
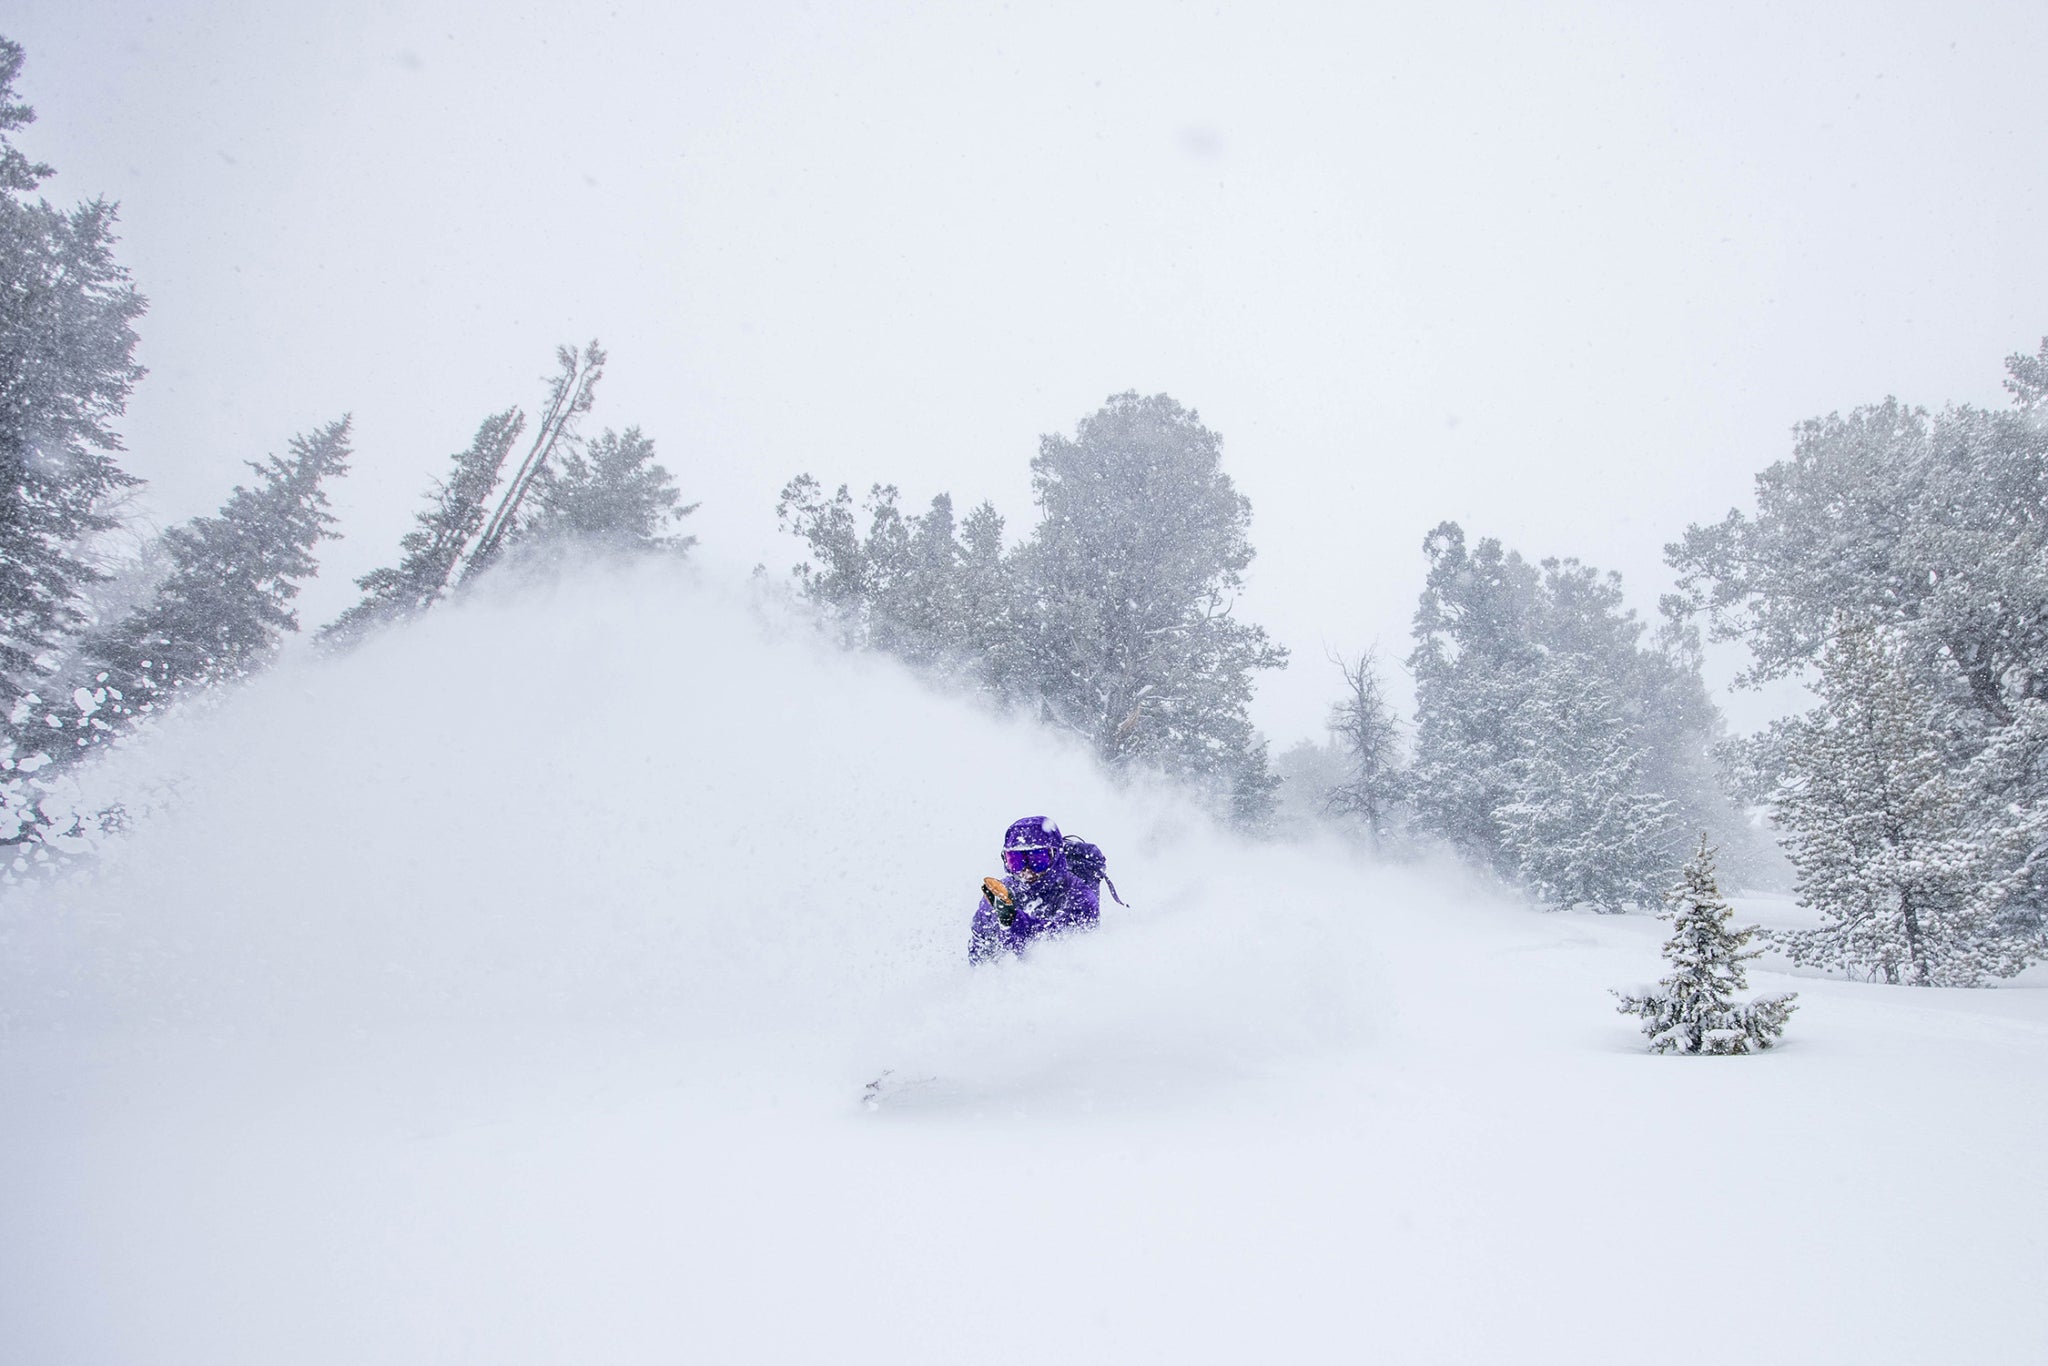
[{"x": 1049, "y": 887}]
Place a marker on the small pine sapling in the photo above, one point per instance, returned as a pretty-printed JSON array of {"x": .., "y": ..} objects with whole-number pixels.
[{"x": 1693, "y": 1009}]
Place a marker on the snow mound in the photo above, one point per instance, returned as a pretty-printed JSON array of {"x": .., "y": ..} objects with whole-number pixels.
[
  {"x": 507, "y": 990},
  {"x": 629, "y": 799}
]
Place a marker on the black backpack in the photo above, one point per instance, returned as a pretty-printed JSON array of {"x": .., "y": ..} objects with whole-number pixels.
[{"x": 1087, "y": 862}]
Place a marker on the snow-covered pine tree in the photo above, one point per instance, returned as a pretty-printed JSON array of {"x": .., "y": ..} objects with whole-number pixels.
[
  {"x": 1693, "y": 1009},
  {"x": 45, "y": 820},
  {"x": 986, "y": 601},
  {"x": 429, "y": 553},
  {"x": 932, "y": 591},
  {"x": 1492, "y": 634},
  {"x": 919, "y": 609},
  {"x": 2003, "y": 784},
  {"x": 847, "y": 576},
  {"x": 1653, "y": 686},
  {"x": 1475, "y": 650},
  {"x": 1367, "y": 735},
  {"x": 886, "y": 574},
  {"x": 571, "y": 394},
  {"x": 67, "y": 342},
  {"x": 1114, "y": 621},
  {"x": 610, "y": 494},
  {"x": 1125, "y": 596},
  {"x": 834, "y": 577},
  {"x": 1581, "y": 828},
  {"x": 1933, "y": 527},
  {"x": 1881, "y": 828},
  {"x": 226, "y": 603}
]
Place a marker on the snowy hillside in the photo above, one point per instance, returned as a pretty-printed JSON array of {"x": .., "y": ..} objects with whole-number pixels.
[{"x": 532, "y": 1025}]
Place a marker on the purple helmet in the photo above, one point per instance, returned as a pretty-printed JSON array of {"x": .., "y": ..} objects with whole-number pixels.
[{"x": 1032, "y": 832}]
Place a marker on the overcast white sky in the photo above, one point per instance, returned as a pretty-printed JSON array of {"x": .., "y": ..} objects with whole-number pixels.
[{"x": 1563, "y": 273}]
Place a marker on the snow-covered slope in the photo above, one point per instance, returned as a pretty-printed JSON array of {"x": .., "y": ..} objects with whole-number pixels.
[{"x": 506, "y": 992}]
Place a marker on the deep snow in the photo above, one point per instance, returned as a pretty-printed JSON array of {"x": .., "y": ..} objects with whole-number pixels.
[{"x": 505, "y": 992}]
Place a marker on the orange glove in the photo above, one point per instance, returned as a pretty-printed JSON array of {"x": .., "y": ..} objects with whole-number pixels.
[{"x": 1000, "y": 900}]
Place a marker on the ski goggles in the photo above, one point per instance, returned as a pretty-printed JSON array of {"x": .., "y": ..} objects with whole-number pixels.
[{"x": 1027, "y": 860}]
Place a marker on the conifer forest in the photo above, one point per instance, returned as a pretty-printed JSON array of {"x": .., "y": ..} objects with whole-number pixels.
[{"x": 489, "y": 826}]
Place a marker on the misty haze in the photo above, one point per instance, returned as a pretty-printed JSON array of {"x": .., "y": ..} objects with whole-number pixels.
[{"x": 1104, "y": 683}]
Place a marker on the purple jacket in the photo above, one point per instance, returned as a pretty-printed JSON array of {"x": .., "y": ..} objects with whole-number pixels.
[{"x": 1053, "y": 903}]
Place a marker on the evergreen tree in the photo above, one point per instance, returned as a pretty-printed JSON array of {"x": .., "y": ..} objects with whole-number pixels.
[
  {"x": 1552, "y": 741},
  {"x": 1367, "y": 736},
  {"x": 2002, "y": 786},
  {"x": 429, "y": 553},
  {"x": 1693, "y": 1009},
  {"x": 226, "y": 603},
  {"x": 1475, "y": 649},
  {"x": 2027, "y": 378},
  {"x": 985, "y": 590},
  {"x": 987, "y": 602},
  {"x": 920, "y": 609},
  {"x": 45, "y": 821},
  {"x": 17, "y": 173},
  {"x": 609, "y": 494},
  {"x": 1114, "y": 621},
  {"x": 1932, "y": 527},
  {"x": 1581, "y": 827},
  {"x": 1125, "y": 595},
  {"x": 924, "y": 588},
  {"x": 845, "y": 574},
  {"x": 67, "y": 341},
  {"x": 885, "y": 573},
  {"x": 1881, "y": 829},
  {"x": 571, "y": 394}
]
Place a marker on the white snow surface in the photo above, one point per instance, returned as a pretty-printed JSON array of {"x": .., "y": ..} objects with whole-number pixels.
[{"x": 506, "y": 991}]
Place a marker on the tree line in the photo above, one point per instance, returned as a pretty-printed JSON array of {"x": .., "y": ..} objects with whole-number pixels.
[
  {"x": 1113, "y": 621},
  {"x": 93, "y": 642},
  {"x": 1896, "y": 561}
]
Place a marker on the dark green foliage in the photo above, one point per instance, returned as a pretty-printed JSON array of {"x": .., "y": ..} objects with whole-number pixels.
[
  {"x": 430, "y": 552},
  {"x": 1693, "y": 1009},
  {"x": 609, "y": 494},
  {"x": 17, "y": 172},
  {"x": 227, "y": 601},
  {"x": 67, "y": 341},
  {"x": 571, "y": 394}
]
